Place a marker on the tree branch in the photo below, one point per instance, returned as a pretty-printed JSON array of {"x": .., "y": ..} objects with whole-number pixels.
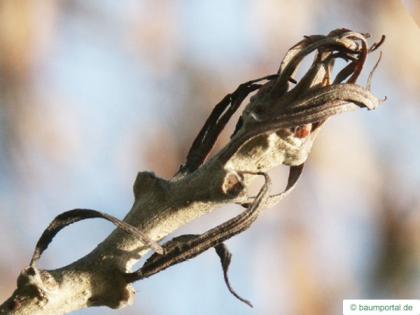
[{"x": 278, "y": 126}]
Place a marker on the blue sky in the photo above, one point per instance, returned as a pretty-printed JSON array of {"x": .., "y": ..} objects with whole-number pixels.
[{"x": 112, "y": 97}]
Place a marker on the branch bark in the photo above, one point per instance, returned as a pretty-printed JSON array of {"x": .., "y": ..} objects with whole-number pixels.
[{"x": 278, "y": 126}]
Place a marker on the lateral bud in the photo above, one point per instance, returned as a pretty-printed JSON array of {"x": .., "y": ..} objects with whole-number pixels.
[
  {"x": 148, "y": 182},
  {"x": 232, "y": 184}
]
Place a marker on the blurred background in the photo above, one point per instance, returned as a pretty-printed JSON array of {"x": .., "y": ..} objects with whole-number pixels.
[{"x": 93, "y": 91}]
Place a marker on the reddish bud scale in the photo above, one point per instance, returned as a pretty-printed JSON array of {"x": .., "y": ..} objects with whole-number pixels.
[{"x": 303, "y": 131}]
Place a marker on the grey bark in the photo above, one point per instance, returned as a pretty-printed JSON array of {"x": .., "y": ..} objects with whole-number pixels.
[{"x": 268, "y": 137}]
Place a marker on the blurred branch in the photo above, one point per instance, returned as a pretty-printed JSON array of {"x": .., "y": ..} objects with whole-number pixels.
[{"x": 277, "y": 127}]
